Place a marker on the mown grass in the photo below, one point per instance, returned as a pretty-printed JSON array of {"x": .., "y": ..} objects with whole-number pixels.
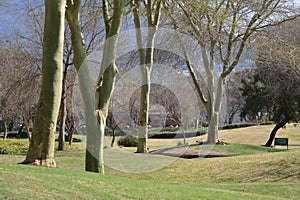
[
  {"x": 250, "y": 172},
  {"x": 29, "y": 182},
  {"x": 246, "y": 149},
  {"x": 258, "y": 135}
]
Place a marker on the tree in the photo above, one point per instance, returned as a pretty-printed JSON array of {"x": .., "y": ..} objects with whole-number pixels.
[
  {"x": 91, "y": 27},
  {"x": 108, "y": 72},
  {"x": 255, "y": 104},
  {"x": 41, "y": 148},
  {"x": 234, "y": 98},
  {"x": 18, "y": 87},
  {"x": 223, "y": 30},
  {"x": 153, "y": 11},
  {"x": 276, "y": 83},
  {"x": 105, "y": 84},
  {"x": 111, "y": 122},
  {"x": 160, "y": 97}
]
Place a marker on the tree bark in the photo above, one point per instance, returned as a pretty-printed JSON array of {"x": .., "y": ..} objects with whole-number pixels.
[
  {"x": 94, "y": 154},
  {"x": 5, "y": 132},
  {"x": 106, "y": 81},
  {"x": 275, "y": 129},
  {"x": 70, "y": 127},
  {"x": 142, "y": 146},
  {"x": 146, "y": 62},
  {"x": 215, "y": 104},
  {"x": 213, "y": 128},
  {"x": 41, "y": 148},
  {"x": 27, "y": 124},
  {"x": 21, "y": 129},
  {"x": 63, "y": 112},
  {"x": 78, "y": 45},
  {"x": 113, "y": 138},
  {"x": 61, "y": 136}
]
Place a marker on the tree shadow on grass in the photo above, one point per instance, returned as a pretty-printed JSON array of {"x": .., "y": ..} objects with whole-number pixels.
[{"x": 187, "y": 152}]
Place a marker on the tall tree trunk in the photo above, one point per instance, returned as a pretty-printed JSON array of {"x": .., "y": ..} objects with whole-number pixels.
[
  {"x": 146, "y": 63},
  {"x": 61, "y": 136},
  {"x": 231, "y": 117},
  {"x": 70, "y": 127},
  {"x": 113, "y": 138},
  {"x": 106, "y": 80},
  {"x": 145, "y": 90},
  {"x": 78, "y": 45},
  {"x": 212, "y": 134},
  {"x": 146, "y": 69},
  {"x": 21, "y": 129},
  {"x": 5, "y": 132},
  {"x": 215, "y": 104},
  {"x": 41, "y": 148},
  {"x": 94, "y": 154},
  {"x": 142, "y": 146},
  {"x": 27, "y": 128},
  {"x": 63, "y": 113},
  {"x": 275, "y": 129}
]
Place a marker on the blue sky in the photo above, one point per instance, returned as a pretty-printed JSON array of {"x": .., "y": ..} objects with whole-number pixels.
[{"x": 12, "y": 15}]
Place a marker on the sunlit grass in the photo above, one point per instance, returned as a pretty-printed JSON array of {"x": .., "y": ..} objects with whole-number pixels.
[{"x": 250, "y": 171}]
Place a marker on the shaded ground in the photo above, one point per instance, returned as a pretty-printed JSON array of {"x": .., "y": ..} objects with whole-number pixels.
[{"x": 194, "y": 151}]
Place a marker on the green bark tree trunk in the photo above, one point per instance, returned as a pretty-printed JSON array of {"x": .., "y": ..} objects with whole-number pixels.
[
  {"x": 94, "y": 154},
  {"x": 41, "y": 148},
  {"x": 215, "y": 108},
  {"x": 78, "y": 44},
  {"x": 142, "y": 146},
  {"x": 146, "y": 63},
  {"x": 63, "y": 113},
  {"x": 107, "y": 76}
]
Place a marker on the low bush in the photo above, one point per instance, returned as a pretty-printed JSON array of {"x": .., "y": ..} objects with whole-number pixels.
[
  {"x": 169, "y": 129},
  {"x": 17, "y": 135},
  {"x": 233, "y": 126},
  {"x": 244, "y": 125},
  {"x": 128, "y": 141},
  {"x": 14, "y": 146},
  {"x": 118, "y": 132},
  {"x": 266, "y": 123}
]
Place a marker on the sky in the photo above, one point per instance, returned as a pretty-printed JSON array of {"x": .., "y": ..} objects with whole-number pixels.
[{"x": 12, "y": 15}]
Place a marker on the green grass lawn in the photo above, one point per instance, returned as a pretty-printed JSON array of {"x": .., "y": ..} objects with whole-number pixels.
[
  {"x": 30, "y": 182},
  {"x": 270, "y": 175},
  {"x": 249, "y": 172}
]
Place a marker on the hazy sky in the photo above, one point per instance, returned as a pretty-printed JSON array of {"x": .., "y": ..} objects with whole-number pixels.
[{"x": 12, "y": 15}]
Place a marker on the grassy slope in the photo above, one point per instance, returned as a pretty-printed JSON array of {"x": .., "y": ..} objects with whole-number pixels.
[
  {"x": 258, "y": 135},
  {"x": 28, "y": 182},
  {"x": 260, "y": 175}
]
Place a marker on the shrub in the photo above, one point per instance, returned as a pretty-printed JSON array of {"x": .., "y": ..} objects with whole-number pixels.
[
  {"x": 128, "y": 141},
  {"x": 16, "y": 135},
  {"x": 118, "y": 132},
  {"x": 169, "y": 129},
  {"x": 202, "y": 130},
  {"x": 13, "y": 146}
]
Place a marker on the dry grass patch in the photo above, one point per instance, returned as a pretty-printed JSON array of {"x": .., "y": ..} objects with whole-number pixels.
[{"x": 258, "y": 135}]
